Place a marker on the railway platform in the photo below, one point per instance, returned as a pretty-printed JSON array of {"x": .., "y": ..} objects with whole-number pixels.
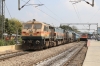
[
  {"x": 93, "y": 53},
  {"x": 10, "y": 48}
]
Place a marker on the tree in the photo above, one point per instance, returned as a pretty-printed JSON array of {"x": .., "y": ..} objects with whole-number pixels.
[
  {"x": 74, "y": 28},
  {"x": 12, "y": 25},
  {"x": 66, "y": 27},
  {"x": 17, "y": 25}
]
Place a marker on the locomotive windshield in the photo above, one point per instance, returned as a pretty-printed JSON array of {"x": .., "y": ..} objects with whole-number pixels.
[
  {"x": 37, "y": 26},
  {"x": 27, "y": 26}
]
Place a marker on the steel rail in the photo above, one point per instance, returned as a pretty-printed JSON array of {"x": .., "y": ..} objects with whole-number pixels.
[
  {"x": 12, "y": 54},
  {"x": 62, "y": 58}
]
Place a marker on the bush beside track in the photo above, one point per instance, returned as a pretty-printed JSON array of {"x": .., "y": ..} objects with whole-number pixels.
[
  {"x": 9, "y": 45},
  {"x": 9, "y": 42},
  {"x": 5, "y": 43}
]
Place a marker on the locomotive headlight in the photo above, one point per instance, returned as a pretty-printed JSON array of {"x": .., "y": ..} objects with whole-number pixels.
[{"x": 37, "y": 42}]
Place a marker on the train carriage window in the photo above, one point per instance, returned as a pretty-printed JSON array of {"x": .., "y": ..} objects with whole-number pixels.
[{"x": 37, "y": 26}]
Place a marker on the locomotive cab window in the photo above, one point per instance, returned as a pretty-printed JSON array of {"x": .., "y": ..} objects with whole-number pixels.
[
  {"x": 37, "y": 26},
  {"x": 27, "y": 26},
  {"x": 45, "y": 28}
]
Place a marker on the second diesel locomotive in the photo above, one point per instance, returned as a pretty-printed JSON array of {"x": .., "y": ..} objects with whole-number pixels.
[{"x": 39, "y": 35}]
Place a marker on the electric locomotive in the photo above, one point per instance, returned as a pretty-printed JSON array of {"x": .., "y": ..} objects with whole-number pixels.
[{"x": 37, "y": 35}]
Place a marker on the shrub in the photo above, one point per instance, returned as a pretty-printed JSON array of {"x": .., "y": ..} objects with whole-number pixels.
[
  {"x": 20, "y": 39},
  {"x": 10, "y": 42},
  {"x": 2, "y": 43}
]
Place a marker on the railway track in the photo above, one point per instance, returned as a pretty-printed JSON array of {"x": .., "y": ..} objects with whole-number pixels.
[
  {"x": 12, "y": 54},
  {"x": 63, "y": 58}
]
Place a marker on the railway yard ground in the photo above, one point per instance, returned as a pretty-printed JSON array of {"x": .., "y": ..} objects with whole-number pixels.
[{"x": 71, "y": 54}]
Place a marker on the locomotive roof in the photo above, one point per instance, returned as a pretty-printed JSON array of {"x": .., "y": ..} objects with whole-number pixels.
[{"x": 38, "y": 22}]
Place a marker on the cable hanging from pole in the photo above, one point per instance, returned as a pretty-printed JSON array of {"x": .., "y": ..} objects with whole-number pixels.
[
  {"x": 74, "y": 2},
  {"x": 26, "y": 4},
  {"x": 23, "y": 5},
  {"x": 44, "y": 12}
]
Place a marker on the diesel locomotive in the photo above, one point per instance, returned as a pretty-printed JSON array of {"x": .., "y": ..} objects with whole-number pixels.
[
  {"x": 84, "y": 37},
  {"x": 39, "y": 35}
]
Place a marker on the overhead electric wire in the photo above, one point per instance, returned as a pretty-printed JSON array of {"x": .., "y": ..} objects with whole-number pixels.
[
  {"x": 78, "y": 15},
  {"x": 8, "y": 10},
  {"x": 44, "y": 12},
  {"x": 25, "y": 4},
  {"x": 90, "y": 4},
  {"x": 47, "y": 14},
  {"x": 77, "y": 12},
  {"x": 50, "y": 10},
  {"x": 94, "y": 15}
]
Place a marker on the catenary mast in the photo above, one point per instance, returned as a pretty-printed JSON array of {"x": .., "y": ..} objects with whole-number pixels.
[{"x": 2, "y": 10}]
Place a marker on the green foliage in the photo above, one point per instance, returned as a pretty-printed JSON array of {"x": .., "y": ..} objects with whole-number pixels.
[
  {"x": 11, "y": 42},
  {"x": 12, "y": 25},
  {"x": 20, "y": 39},
  {"x": 66, "y": 27},
  {"x": 2, "y": 43},
  {"x": 73, "y": 28}
]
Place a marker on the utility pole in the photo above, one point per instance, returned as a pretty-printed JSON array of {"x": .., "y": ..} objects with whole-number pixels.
[{"x": 2, "y": 10}]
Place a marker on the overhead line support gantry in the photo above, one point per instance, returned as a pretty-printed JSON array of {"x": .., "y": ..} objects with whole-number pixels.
[{"x": 89, "y": 24}]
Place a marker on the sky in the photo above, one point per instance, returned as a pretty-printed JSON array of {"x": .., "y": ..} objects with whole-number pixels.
[{"x": 55, "y": 12}]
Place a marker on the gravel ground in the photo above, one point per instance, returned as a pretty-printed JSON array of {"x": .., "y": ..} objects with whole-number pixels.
[
  {"x": 34, "y": 57},
  {"x": 8, "y": 51},
  {"x": 79, "y": 59},
  {"x": 60, "y": 59}
]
